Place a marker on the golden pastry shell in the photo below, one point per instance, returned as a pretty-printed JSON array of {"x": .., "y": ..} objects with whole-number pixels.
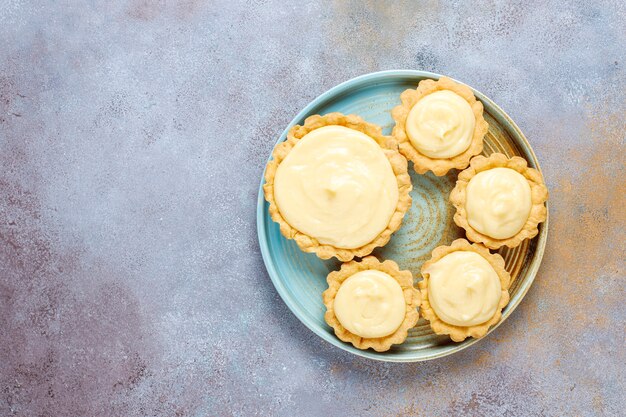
[
  {"x": 421, "y": 162},
  {"x": 398, "y": 164},
  {"x": 538, "y": 190},
  {"x": 411, "y": 298},
  {"x": 460, "y": 333}
]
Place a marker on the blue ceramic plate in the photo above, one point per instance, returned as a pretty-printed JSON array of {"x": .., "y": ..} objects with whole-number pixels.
[{"x": 300, "y": 278}]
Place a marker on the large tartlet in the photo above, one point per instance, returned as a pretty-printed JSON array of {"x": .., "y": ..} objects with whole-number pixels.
[
  {"x": 455, "y": 112},
  {"x": 371, "y": 308},
  {"x": 344, "y": 186},
  {"x": 509, "y": 211},
  {"x": 465, "y": 287}
]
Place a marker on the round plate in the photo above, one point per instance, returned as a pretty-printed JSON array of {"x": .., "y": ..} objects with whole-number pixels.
[{"x": 300, "y": 278}]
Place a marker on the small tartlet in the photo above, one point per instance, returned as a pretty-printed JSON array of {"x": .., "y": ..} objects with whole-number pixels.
[
  {"x": 411, "y": 295},
  {"x": 398, "y": 164},
  {"x": 421, "y": 162},
  {"x": 539, "y": 195},
  {"x": 460, "y": 333}
]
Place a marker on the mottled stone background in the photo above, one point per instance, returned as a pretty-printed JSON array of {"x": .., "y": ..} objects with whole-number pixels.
[{"x": 133, "y": 135}]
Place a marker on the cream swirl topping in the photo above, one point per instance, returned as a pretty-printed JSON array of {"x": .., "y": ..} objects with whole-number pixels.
[
  {"x": 498, "y": 202},
  {"x": 370, "y": 304},
  {"x": 441, "y": 125},
  {"x": 337, "y": 186},
  {"x": 463, "y": 289}
]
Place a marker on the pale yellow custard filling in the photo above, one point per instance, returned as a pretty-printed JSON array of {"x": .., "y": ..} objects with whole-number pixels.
[
  {"x": 463, "y": 289},
  {"x": 337, "y": 186},
  {"x": 441, "y": 125},
  {"x": 498, "y": 202},
  {"x": 370, "y": 304}
]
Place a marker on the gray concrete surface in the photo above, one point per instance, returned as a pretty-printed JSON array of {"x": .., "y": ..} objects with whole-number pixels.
[{"x": 133, "y": 135}]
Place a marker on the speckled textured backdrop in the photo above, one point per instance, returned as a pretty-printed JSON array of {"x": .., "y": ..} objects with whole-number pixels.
[{"x": 132, "y": 141}]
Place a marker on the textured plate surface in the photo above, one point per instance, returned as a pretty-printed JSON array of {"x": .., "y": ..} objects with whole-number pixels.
[{"x": 300, "y": 278}]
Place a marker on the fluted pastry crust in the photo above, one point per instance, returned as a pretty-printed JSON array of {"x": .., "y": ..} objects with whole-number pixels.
[
  {"x": 421, "y": 162},
  {"x": 538, "y": 190},
  {"x": 460, "y": 333},
  {"x": 398, "y": 164},
  {"x": 412, "y": 300}
]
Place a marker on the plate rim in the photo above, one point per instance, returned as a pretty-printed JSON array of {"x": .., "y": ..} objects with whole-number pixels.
[{"x": 338, "y": 89}]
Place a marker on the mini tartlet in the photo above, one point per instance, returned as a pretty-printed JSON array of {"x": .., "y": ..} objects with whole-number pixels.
[
  {"x": 499, "y": 201},
  {"x": 464, "y": 290},
  {"x": 439, "y": 126},
  {"x": 333, "y": 190},
  {"x": 371, "y": 304}
]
